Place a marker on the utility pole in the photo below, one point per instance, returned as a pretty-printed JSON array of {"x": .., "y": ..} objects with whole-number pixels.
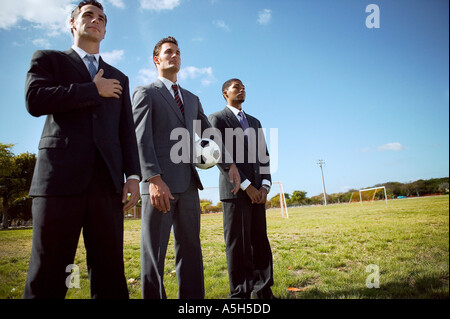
[{"x": 321, "y": 163}]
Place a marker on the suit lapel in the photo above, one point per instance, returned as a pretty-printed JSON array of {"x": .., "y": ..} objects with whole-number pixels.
[
  {"x": 170, "y": 100},
  {"x": 231, "y": 119},
  {"x": 79, "y": 65},
  {"x": 190, "y": 109},
  {"x": 251, "y": 123},
  {"x": 106, "y": 68}
]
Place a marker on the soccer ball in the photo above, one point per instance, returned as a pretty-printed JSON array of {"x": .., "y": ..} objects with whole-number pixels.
[{"x": 207, "y": 153}]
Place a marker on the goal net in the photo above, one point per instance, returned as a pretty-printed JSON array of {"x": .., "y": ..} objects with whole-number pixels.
[{"x": 368, "y": 195}]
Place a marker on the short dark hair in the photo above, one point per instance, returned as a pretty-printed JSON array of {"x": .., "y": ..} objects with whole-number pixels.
[
  {"x": 157, "y": 49},
  {"x": 76, "y": 11},
  {"x": 227, "y": 84}
]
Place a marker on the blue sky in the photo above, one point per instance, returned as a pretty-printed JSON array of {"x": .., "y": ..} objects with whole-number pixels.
[{"x": 372, "y": 102}]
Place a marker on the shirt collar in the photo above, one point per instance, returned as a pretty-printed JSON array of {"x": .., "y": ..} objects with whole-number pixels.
[
  {"x": 167, "y": 82},
  {"x": 83, "y": 53},
  {"x": 235, "y": 110}
]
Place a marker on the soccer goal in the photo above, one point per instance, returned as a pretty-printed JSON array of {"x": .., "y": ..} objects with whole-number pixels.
[
  {"x": 283, "y": 206},
  {"x": 367, "y": 193}
]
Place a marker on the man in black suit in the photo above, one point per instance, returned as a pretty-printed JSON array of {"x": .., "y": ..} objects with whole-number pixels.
[
  {"x": 249, "y": 257},
  {"x": 87, "y": 146}
]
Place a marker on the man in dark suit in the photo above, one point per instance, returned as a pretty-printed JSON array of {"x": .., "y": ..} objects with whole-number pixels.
[
  {"x": 87, "y": 145},
  {"x": 164, "y": 112},
  {"x": 249, "y": 256}
]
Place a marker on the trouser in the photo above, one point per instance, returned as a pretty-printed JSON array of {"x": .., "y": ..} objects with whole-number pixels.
[
  {"x": 249, "y": 256},
  {"x": 57, "y": 224},
  {"x": 184, "y": 216}
]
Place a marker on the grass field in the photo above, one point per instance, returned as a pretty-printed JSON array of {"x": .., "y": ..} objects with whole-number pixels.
[{"x": 322, "y": 252}]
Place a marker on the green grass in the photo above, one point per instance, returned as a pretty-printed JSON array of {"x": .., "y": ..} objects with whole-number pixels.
[{"x": 321, "y": 251}]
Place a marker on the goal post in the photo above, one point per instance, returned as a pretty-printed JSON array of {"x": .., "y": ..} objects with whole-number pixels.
[
  {"x": 283, "y": 206},
  {"x": 375, "y": 189},
  {"x": 212, "y": 194}
]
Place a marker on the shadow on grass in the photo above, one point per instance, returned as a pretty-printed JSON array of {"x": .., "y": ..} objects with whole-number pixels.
[{"x": 430, "y": 287}]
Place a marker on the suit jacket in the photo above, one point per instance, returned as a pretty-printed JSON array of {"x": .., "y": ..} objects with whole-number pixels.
[
  {"x": 158, "y": 121},
  {"x": 249, "y": 163},
  {"x": 79, "y": 122}
]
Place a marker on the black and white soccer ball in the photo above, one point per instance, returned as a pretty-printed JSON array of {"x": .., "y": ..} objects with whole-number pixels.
[{"x": 207, "y": 153}]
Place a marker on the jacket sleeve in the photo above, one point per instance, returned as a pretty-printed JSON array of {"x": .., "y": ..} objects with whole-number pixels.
[
  {"x": 44, "y": 93},
  {"x": 142, "y": 113},
  {"x": 128, "y": 135},
  {"x": 263, "y": 155}
]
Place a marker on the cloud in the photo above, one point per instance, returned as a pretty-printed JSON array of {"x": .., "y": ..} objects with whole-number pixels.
[
  {"x": 192, "y": 72},
  {"x": 117, "y": 3},
  {"x": 222, "y": 25},
  {"x": 264, "y": 16},
  {"x": 41, "y": 43},
  {"x": 50, "y": 15},
  {"x": 205, "y": 75},
  {"x": 113, "y": 57},
  {"x": 198, "y": 39},
  {"x": 395, "y": 146},
  {"x": 365, "y": 150},
  {"x": 158, "y": 5},
  {"x": 146, "y": 76}
]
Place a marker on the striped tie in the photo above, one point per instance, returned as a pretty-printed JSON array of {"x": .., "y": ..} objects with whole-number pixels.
[
  {"x": 91, "y": 66},
  {"x": 177, "y": 98}
]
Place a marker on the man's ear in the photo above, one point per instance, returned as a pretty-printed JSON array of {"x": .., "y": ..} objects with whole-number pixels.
[
  {"x": 72, "y": 24},
  {"x": 156, "y": 60}
]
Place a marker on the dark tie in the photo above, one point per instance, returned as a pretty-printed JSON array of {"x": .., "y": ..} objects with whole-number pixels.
[
  {"x": 91, "y": 67},
  {"x": 177, "y": 98},
  {"x": 244, "y": 123}
]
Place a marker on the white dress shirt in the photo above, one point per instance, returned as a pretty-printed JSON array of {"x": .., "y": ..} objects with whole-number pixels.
[{"x": 168, "y": 84}]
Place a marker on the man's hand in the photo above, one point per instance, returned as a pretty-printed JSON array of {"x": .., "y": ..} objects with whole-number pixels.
[
  {"x": 160, "y": 194},
  {"x": 254, "y": 194},
  {"x": 263, "y": 192},
  {"x": 130, "y": 187},
  {"x": 233, "y": 173},
  {"x": 107, "y": 87}
]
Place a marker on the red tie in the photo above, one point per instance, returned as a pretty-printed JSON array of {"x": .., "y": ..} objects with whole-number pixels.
[{"x": 177, "y": 98}]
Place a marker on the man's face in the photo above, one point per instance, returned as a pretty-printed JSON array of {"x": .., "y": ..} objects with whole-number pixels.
[
  {"x": 90, "y": 23},
  {"x": 169, "y": 58},
  {"x": 235, "y": 92}
]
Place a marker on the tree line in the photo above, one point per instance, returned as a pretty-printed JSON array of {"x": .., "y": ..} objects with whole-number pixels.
[
  {"x": 417, "y": 188},
  {"x": 16, "y": 172}
]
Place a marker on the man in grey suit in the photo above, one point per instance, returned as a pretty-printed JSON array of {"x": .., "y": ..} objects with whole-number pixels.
[
  {"x": 249, "y": 257},
  {"x": 170, "y": 197}
]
